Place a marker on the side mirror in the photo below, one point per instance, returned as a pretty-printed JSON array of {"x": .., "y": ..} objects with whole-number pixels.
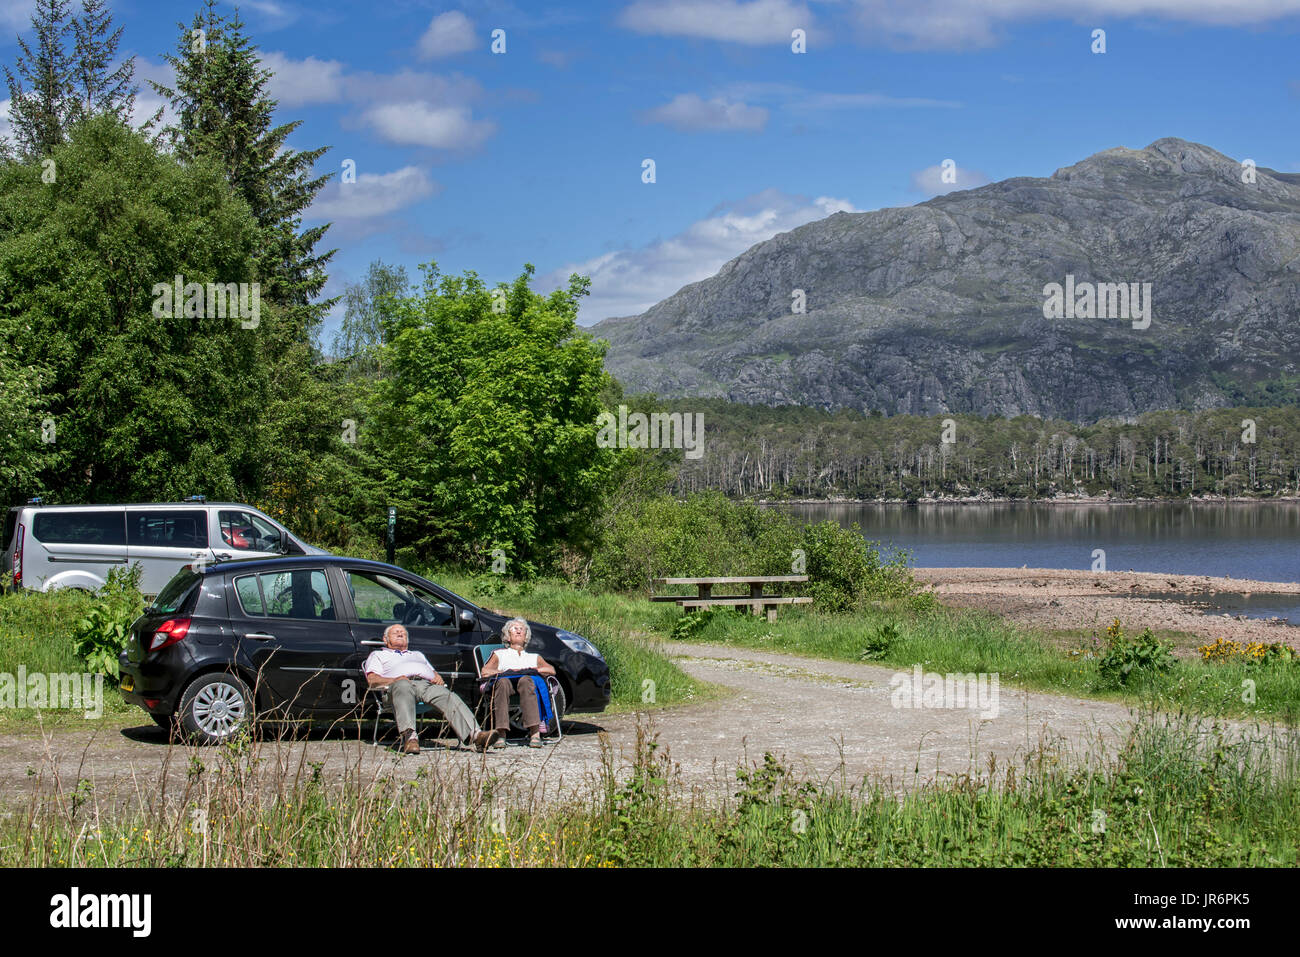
[
  {"x": 467, "y": 620},
  {"x": 283, "y": 546}
]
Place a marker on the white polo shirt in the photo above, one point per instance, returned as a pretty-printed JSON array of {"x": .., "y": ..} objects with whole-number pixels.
[{"x": 390, "y": 663}]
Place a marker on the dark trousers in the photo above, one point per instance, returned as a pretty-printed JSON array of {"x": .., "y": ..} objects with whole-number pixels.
[{"x": 502, "y": 688}]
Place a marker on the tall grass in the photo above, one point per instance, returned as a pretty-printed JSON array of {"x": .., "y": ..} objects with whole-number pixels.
[{"x": 1179, "y": 793}]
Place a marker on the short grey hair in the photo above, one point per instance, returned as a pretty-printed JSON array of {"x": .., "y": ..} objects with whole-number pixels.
[
  {"x": 389, "y": 630},
  {"x": 505, "y": 631}
]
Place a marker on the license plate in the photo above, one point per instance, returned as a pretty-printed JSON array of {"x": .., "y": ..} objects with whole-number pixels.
[{"x": 127, "y": 682}]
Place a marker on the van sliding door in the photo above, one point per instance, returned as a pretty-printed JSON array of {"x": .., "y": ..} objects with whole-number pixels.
[{"x": 165, "y": 540}]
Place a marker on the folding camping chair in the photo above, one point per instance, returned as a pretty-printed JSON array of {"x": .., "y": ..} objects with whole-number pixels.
[
  {"x": 483, "y": 654},
  {"x": 384, "y": 712}
]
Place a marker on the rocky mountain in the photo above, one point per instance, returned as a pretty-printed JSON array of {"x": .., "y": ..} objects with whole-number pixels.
[{"x": 946, "y": 306}]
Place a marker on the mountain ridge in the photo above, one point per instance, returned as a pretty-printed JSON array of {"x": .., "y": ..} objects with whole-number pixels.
[{"x": 938, "y": 307}]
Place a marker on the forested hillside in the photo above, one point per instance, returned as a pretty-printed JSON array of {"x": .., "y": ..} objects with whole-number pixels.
[{"x": 799, "y": 452}]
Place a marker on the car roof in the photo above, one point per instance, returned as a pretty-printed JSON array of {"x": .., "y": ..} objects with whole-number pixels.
[
  {"x": 292, "y": 561},
  {"x": 316, "y": 561},
  {"x": 52, "y": 505}
]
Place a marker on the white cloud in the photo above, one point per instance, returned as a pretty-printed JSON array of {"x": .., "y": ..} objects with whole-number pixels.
[
  {"x": 930, "y": 180},
  {"x": 300, "y": 82},
  {"x": 147, "y": 102},
  {"x": 373, "y": 194},
  {"x": 419, "y": 123},
  {"x": 963, "y": 24},
  {"x": 755, "y": 23},
  {"x": 5, "y": 129},
  {"x": 688, "y": 111},
  {"x": 627, "y": 282},
  {"x": 276, "y": 14},
  {"x": 792, "y": 97},
  {"x": 448, "y": 34}
]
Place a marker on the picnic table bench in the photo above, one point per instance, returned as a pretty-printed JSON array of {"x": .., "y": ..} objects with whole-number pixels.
[{"x": 757, "y": 601}]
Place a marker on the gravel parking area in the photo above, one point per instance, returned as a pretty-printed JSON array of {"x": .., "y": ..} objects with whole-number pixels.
[{"x": 830, "y": 721}]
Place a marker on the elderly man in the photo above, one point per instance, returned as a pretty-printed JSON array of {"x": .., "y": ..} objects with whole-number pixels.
[{"x": 409, "y": 677}]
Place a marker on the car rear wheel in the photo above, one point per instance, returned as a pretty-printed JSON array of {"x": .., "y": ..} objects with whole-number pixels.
[{"x": 214, "y": 708}]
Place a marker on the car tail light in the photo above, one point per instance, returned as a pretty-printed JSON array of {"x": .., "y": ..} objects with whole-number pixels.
[
  {"x": 169, "y": 632},
  {"x": 18, "y": 559}
]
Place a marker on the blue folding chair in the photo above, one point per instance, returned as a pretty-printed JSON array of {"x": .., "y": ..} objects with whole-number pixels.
[{"x": 483, "y": 654}]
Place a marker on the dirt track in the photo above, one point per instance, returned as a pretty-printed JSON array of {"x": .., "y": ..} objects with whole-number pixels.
[{"x": 831, "y": 721}]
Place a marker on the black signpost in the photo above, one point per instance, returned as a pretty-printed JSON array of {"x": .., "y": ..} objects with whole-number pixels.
[{"x": 392, "y": 532}]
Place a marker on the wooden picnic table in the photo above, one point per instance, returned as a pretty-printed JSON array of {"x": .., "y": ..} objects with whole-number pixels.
[{"x": 757, "y": 601}]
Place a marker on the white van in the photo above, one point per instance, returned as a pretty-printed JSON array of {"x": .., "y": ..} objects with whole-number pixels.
[{"x": 74, "y": 546}]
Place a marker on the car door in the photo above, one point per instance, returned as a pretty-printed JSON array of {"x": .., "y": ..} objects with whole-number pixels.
[
  {"x": 382, "y": 598},
  {"x": 305, "y": 658},
  {"x": 163, "y": 540}
]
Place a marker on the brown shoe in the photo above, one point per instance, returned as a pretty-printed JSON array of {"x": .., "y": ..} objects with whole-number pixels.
[
  {"x": 412, "y": 745},
  {"x": 484, "y": 740}
]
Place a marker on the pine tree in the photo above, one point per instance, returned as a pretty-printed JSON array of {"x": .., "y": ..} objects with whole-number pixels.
[
  {"x": 97, "y": 88},
  {"x": 41, "y": 83},
  {"x": 225, "y": 115},
  {"x": 50, "y": 89}
]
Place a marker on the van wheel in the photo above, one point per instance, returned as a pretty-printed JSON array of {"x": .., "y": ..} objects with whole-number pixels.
[{"x": 215, "y": 707}]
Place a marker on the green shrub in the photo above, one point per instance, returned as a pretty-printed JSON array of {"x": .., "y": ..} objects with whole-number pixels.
[
  {"x": 692, "y": 623},
  {"x": 845, "y": 570},
  {"x": 879, "y": 642},
  {"x": 708, "y": 534},
  {"x": 101, "y": 635},
  {"x": 1123, "y": 656}
]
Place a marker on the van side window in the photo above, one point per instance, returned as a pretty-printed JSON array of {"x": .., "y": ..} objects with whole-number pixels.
[
  {"x": 80, "y": 528},
  {"x": 246, "y": 531},
  {"x": 168, "y": 529}
]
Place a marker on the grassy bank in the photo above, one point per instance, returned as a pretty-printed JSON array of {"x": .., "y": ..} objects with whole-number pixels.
[
  {"x": 939, "y": 638},
  {"x": 1177, "y": 794},
  {"x": 951, "y": 640}
]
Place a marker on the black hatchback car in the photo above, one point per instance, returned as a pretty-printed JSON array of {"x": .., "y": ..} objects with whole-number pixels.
[{"x": 285, "y": 638}]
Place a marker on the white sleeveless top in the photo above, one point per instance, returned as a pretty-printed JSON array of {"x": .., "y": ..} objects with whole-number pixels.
[{"x": 510, "y": 660}]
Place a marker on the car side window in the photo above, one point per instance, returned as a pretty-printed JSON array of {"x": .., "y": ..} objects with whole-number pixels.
[
  {"x": 301, "y": 593},
  {"x": 250, "y": 595},
  {"x": 245, "y": 531},
  {"x": 383, "y": 600}
]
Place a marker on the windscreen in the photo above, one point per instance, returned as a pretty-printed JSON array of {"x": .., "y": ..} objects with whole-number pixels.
[{"x": 176, "y": 593}]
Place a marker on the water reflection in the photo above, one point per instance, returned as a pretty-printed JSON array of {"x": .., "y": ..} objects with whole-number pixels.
[{"x": 1241, "y": 540}]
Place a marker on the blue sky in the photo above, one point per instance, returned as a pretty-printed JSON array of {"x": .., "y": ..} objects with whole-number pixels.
[{"x": 485, "y": 161}]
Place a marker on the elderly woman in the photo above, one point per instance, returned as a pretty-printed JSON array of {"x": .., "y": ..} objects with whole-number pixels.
[{"x": 503, "y": 666}]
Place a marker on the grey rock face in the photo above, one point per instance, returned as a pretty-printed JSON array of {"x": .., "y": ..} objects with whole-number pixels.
[{"x": 939, "y": 307}]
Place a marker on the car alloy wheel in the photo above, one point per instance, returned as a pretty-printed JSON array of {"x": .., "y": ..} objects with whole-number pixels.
[{"x": 215, "y": 707}]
